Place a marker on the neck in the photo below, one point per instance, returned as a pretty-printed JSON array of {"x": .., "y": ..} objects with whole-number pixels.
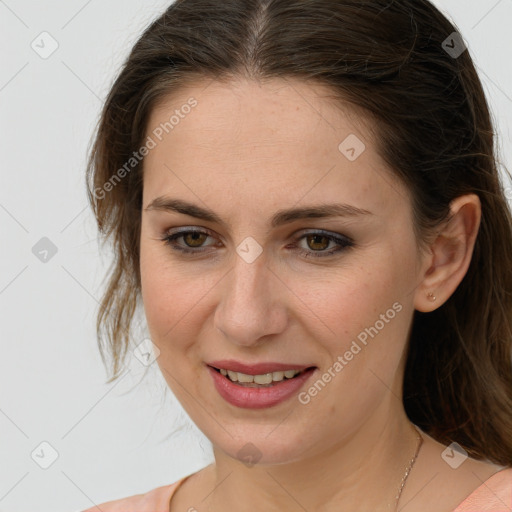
[{"x": 363, "y": 471}]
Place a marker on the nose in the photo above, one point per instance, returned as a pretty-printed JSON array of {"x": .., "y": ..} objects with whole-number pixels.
[{"x": 252, "y": 305}]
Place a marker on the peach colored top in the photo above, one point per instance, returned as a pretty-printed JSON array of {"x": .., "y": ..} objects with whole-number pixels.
[{"x": 494, "y": 495}]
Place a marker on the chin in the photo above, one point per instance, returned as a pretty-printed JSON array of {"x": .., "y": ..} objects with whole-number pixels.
[{"x": 263, "y": 446}]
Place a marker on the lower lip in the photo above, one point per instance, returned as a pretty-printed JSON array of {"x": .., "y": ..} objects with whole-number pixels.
[{"x": 257, "y": 398}]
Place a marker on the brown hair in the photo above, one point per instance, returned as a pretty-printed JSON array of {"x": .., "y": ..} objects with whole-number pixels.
[{"x": 433, "y": 130}]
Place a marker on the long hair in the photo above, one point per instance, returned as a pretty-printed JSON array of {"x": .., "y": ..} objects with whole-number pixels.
[{"x": 395, "y": 60}]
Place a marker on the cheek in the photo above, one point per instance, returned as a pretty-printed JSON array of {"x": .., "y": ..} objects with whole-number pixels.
[
  {"x": 366, "y": 305},
  {"x": 336, "y": 305},
  {"x": 160, "y": 287},
  {"x": 173, "y": 297},
  {"x": 365, "y": 317}
]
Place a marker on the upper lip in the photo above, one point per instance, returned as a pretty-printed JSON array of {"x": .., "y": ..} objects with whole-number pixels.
[{"x": 257, "y": 368}]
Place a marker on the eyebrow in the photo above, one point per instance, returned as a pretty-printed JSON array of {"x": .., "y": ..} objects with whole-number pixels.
[{"x": 280, "y": 218}]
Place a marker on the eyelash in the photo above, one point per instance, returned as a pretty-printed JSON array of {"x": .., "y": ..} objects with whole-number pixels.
[{"x": 342, "y": 241}]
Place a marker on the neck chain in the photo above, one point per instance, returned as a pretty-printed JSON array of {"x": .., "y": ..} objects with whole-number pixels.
[{"x": 409, "y": 468}]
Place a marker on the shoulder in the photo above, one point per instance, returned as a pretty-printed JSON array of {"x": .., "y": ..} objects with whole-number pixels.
[
  {"x": 155, "y": 500},
  {"x": 495, "y": 494}
]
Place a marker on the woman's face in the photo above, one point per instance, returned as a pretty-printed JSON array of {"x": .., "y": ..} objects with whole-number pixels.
[{"x": 267, "y": 283}]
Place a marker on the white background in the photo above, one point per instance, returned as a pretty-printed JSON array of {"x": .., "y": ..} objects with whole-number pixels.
[{"x": 113, "y": 440}]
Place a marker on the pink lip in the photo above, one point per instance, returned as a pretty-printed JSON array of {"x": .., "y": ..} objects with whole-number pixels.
[
  {"x": 258, "y": 398},
  {"x": 255, "y": 369}
]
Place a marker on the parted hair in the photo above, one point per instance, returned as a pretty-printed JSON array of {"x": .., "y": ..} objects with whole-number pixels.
[{"x": 433, "y": 128}]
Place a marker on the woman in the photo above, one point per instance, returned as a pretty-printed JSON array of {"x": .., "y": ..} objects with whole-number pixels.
[{"x": 304, "y": 197}]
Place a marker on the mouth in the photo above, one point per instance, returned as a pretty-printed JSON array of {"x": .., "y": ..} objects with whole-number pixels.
[
  {"x": 258, "y": 385},
  {"x": 261, "y": 388},
  {"x": 262, "y": 380}
]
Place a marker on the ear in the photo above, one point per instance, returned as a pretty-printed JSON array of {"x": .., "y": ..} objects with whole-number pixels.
[{"x": 449, "y": 255}]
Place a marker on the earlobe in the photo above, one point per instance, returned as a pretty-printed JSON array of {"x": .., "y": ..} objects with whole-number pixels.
[
  {"x": 431, "y": 297},
  {"x": 450, "y": 254}
]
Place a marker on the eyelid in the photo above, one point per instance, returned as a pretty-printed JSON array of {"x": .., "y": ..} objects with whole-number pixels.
[
  {"x": 343, "y": 242},
  {"x": 325, "y": 232},
  {"x": 303, "y": 232},
  {"x": 173, "y": 234}
]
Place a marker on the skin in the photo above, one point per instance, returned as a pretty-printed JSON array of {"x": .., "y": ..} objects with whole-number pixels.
[{"x": 246, "y": 151}]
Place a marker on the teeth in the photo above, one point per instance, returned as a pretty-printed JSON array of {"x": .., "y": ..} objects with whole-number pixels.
[
  {"x": 233, "y": 376},
  {"x": 265, "y": 378},
  {"x": 261, "y": 379},
  {"x": 277, "y": 376},
  {"x": 242, "y": 377}
]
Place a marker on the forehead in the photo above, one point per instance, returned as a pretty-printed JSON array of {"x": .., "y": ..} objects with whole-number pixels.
[
  {"x": 280, "y": 138},
  {"x": 244, "y": 111}
]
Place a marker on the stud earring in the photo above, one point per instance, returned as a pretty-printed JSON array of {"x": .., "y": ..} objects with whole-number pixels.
[{"x": 431, "y": 297}]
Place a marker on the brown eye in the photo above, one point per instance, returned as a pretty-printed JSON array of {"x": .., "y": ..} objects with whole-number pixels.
[
  {"x": 319, "y": 242},
  {"x": 194, "y": 239},
  {"x": 188, "y": 241}
]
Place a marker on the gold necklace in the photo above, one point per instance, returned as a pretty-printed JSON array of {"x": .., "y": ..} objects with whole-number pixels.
[
  {"x": 402, "y": 484},
  {"x": 409, "y": 468}
]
